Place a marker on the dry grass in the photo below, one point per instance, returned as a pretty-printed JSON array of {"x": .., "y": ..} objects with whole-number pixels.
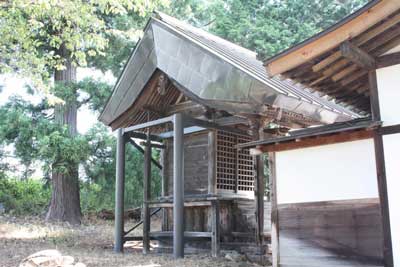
[{"x": 90, "y": 243}]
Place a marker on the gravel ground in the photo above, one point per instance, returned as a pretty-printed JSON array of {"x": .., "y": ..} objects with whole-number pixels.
[{"x": 89, "y": 243}]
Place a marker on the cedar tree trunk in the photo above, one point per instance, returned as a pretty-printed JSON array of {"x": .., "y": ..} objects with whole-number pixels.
[{"x": 65, "y": 201}]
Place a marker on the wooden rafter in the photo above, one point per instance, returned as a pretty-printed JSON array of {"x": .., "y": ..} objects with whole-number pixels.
[{"x": 333, "y": 38}]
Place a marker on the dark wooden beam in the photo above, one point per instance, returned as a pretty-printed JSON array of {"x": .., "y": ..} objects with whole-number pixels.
[
  {"x": 212, "y": 158},
  {"x": 373, "y": 88},
  {"x": 215, "y": 235},
  {"x": 146, "y": 197},
  {"x": 189, "y": 107},
  {"x": 155, "y": 162},
  {"x": 381, "y": 172},
  {"x": 383, "y": 196},
  {"x": 259, "y": 184},
  {"x": 148, "y": 124},
  {"x": 357, "y": 56},
  {"x": 388, "y": 60},
  {"x": 189, "y": 121},
  {"x": 392, "y": 129},
  {"x": 119, "y": 192},
  {"x": 153, "y": 145},
  {"x": 178, "y": 187},
  {"x": 318, "y": 141},
  {"x": 274, "y": 211},
  {"x": 164, "y": 183}
]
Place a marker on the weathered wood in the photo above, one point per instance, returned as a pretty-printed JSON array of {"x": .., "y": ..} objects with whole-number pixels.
[
  {"x": 274, "y": 211},
  {"x": 212, "y": 158},
  {"x": 164, "y": 184},
  {"x": 392, "y": 129},
  {"x": 344, "y": 73},
  {"x": 178, "y": 187},
  {"x": 357, "y": 56},
  {"x": 354, "y": 77},
  {"x": 383, "y": 196},
  {"x": 381, "y": 172},
  {"x": 388, "y": 60},
  {"x": 146, "y": 197},
  {"x": 195, "y": 164},
  {"x": 155, "y": 162},
  {"x": 345, "y": 232},
  {"x": 259, "y": 191},
  {"x": 332, "y": 39},
  {"x": 190, "y": 121},
  {"x": 319, "y": 141},
  {"x": 380, "y": 28},
  {"x": 187, "y": 234},
  {"x": 148, "y": 124},
  {"x": 394, "y": 42},
  {"x": 141, "y": 222},
  {"x": 373, "y": 88},
  {"x": 215, "y": 234},
  {"x": 119, "y": 192},
  {"x": 190, "y": 108},
  {"x": 153, "y": 145},
  {"x": 186, "y": 204}
]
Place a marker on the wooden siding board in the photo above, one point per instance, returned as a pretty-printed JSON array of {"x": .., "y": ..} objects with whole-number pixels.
[
  {"x": 337, "y": 233},
  {"x": 195, "y": 164}
]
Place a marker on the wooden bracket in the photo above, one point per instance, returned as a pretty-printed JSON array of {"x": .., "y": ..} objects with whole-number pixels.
[{"x": 357, "y": 56}]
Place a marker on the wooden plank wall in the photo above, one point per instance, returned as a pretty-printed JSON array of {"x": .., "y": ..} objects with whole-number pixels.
[
  {"x": 267, "y": 217},
  {"x": 332, "y": 233},
  {"x": 195, "y": 164}
]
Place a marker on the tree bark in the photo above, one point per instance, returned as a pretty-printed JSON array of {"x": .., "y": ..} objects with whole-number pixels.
[{"x": 65, "y": 200}]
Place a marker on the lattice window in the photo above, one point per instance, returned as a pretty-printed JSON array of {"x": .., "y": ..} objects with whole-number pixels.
[{"x": 234, "y": 167}]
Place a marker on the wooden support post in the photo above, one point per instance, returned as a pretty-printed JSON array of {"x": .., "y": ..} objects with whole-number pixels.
[
  {"x": 381, "y": 172},
  {"x": 274, "y": 211},
  {"x": 178, "y": 188},
  {"x": 146, "y": 196},
  {"x": 155, "y": 162},
  {"x": 260, "y": 197},
  {"x": 259, "y": 187},
  {"x": 119, "y": 192},
  {"x": 215, "y": 232},
  {"x": 164, "y": 181},
  {"x": 212, "y": 161}
]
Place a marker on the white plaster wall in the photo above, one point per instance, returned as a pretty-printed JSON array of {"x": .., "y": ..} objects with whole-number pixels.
[
  {"x": 330, "y": 172},
  {"x": 391, "y": 144},
  {"x": 389, "y": 94}
]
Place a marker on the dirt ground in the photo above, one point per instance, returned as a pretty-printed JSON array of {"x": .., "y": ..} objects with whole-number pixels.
[{"x": 89, "y": 243}]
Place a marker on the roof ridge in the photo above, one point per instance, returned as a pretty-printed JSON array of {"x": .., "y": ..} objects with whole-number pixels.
[{"x": 180, "y": 23}]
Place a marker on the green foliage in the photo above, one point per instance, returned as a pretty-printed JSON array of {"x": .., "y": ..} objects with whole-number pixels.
[
  {"x": 59, "y": 150},
  {"x": 24, "y": 197},
  {"x": 33, "y": 33},
  {"x": 270, "y": 26},
  {"x": 98, "y": 191},
  {"x": 22, "y": 124},
  {"x": 35, "y": 136},
  {"x": 98, "y": 93}
]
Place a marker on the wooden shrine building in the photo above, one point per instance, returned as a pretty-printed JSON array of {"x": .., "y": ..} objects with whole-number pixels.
[
  {"x": 196, "y": 97},
  {"x": 335, "y": 198}
]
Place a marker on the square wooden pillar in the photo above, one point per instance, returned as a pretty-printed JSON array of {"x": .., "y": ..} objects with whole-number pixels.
[
  {"x": 119, "y": 192},
  {"x": 178, "y": 188}
]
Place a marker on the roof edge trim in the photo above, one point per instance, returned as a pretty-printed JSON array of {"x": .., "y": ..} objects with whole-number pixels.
[{"x": 349, "y": 27}]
